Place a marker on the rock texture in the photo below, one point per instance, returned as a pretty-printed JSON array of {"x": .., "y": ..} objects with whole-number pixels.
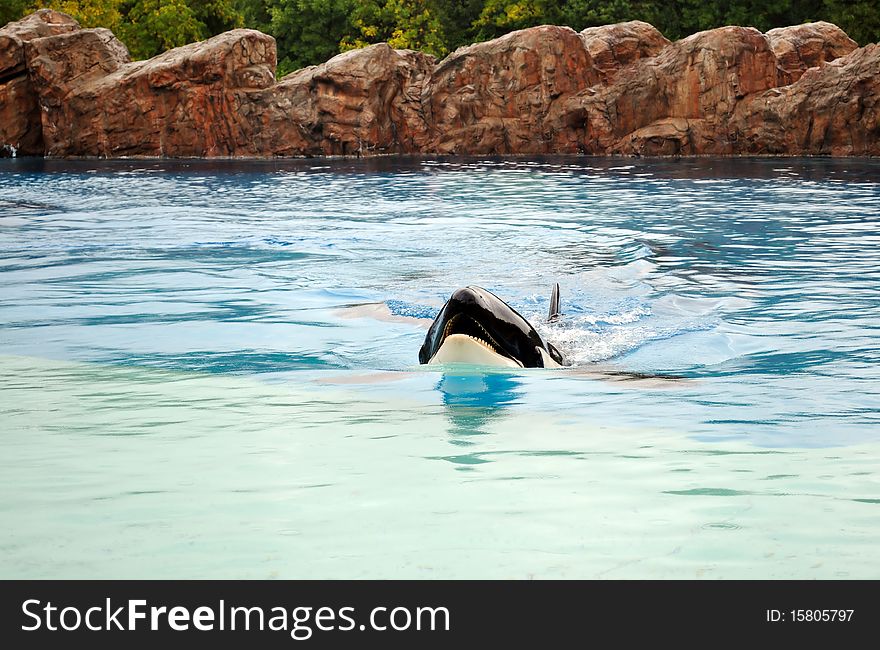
[
  {"x": 679, "y": 101},
  {"x": 806, "y": 46},
  {"x": 360, "y": 102},
  {"x": 613, "y": 47},
  {"x": 220, "y": 98},
  {"x": 65, "y": 68},
  {"x": 185, "y": 102},
  {"x": 20, "y": 129},
  {"x": 617, "y": 89},
  {"x": 503, "y": 96},
  {"x": 832, "y": 110}
]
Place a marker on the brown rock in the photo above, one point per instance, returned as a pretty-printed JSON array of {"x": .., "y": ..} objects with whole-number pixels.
[
  {"x": 617, "y": 89},
  {"x": 671, "y": 136},
  {"x": 806, "y": 46},
  {"x": 20, "y": 131},
  {"x": 185, "y": 102},
  {"x": 701, "y": 77},
  {"x": 359, "y": 102},
  {"x": 613, "y": 47},
  {"x": 504, "y": 96},
  {"x": 62, "y": 69},
  {"x": 45, "y": 22},
  {"x": 62, "y": 64},
  {"x": 831, "y": 110}
]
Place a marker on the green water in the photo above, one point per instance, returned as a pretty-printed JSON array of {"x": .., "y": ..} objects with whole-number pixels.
[{"x": 113, "y": 472}]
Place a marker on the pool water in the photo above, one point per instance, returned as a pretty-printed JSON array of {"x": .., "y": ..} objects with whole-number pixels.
[{"x": 209, "y": 369}]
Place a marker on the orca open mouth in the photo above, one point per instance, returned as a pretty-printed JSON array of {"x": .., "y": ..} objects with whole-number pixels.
[
  {"x": 475, "y": 316},
  {"x": 468, "y": 326}
]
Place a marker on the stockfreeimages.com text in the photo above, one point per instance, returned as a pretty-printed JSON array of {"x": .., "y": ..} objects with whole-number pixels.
[{"x": 300, "y": 622}]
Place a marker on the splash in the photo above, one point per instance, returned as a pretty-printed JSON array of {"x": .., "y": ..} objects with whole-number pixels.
[
  {"x": 590, "y": 333},
  {"x": 411, "y": 309}
]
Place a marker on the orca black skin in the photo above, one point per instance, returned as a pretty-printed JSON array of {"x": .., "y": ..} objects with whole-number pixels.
[{"x": 478, "y": 313}]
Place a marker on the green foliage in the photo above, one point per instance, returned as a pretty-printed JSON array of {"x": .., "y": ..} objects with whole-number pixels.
[
  {"x": 409, "y": 24},
  {"x": 858, "y": 18},
  {"x": 255, "y": 14},
  {"x": 457, "y": 18},
  {"x": 311, "y": 31},
  {"x": 580, "y": 14},
  {"x": 149, "y": 27},
  {"x": 153, "y": 26},
  {"x": 12, "y": 10},
  {"x": 308, "y": 31},
  {"x": 89, "y": 13},
  {"x": 217, "y": 16},
  {"x": 501, "y": 16},
  {"x": 680, "y": 18},
  {"x": 697, "y": 15}
]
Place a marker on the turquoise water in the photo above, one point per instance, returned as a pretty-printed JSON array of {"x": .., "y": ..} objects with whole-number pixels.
[{"x": 210, "y": 369}]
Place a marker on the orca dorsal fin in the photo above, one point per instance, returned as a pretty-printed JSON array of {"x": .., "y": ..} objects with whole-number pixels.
[{"x": 554, "y": 304}]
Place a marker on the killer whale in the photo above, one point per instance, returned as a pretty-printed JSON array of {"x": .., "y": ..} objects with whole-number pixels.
[{"x": 476, "y": 326}]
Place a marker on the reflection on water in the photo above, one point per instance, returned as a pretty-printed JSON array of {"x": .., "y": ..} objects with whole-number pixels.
[{"x": 472, "y": 399}]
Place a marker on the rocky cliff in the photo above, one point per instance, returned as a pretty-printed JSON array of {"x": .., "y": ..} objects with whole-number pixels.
[
  {"x": 617, "y": 89},
  {"x": 20, "y": 121}
]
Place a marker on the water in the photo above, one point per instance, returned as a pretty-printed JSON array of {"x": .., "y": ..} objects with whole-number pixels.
[{"x": 191, "y": 386}]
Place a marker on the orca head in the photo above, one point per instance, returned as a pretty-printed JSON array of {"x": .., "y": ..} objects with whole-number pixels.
[{"x": 476, "y": 326}]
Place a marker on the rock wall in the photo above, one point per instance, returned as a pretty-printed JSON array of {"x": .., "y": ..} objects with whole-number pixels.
[
  {"x": 20, "y": 126},
  {"x": 504, "y": 96},
  {"x": 613, "y": 47},
  {"x": 680, "y": 101},
  {"x": 358, "y": 103},
  {"x": 807, "y": 46},
  {"x": 186, "y": 102},
  {"x": 832, "y": 110},
  {"x": 617, "y": 89}
]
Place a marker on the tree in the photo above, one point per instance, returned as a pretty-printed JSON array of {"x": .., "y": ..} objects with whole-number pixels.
[
  {"x": 501, "y": 16},
  {"x": 153, "y": 26},
  {"x": 409, "y": 24},
  {"x": 89, "y": 13},
  {"x": 311, "y": 31},
  {"x": 12, "y": 10},
  {"x": 150, "y": 27},
  {"x": 255, "y": 14},
  {"x": 858, "y": 18},
  {"x": 457, "y": 18},
  {"x": 217, "y": 16},
  {"x": 308, "y": 31},
  {"x": 579, "y": 14}
]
